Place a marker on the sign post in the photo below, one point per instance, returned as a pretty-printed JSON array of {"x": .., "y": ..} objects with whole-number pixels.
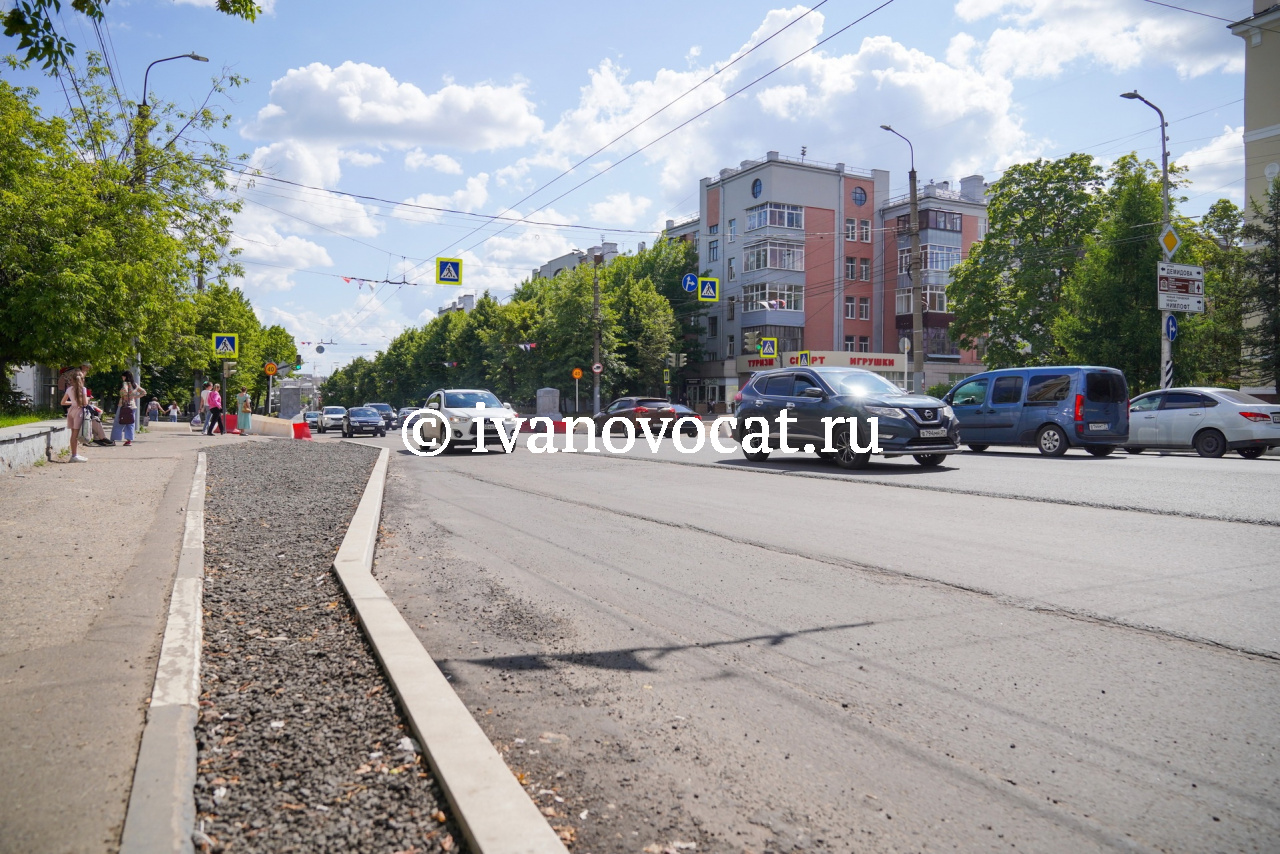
[{"x": 577, "y": 375}]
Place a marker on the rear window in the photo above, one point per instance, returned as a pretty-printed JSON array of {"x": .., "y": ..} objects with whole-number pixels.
[
  {"x": 653, "y": 401},
  {"x": 1240, "y": 397},
  {"x": 1105, "y": 388},
  {"x": 1048, "y": 389}
]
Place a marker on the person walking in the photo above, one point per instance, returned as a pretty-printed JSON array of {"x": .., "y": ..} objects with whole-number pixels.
[
  {"x": 244, "y": 411},
  {"x": 76, "y": 401},
  {"x": 153, "y": 412},
  {"x": 204, "y": 407},
  {"x": 126, "y": 409},
  {"x": 215, "y": 411},
  {"x": 173, "y": 412}
]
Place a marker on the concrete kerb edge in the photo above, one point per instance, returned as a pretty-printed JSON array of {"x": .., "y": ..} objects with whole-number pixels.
[
  {"x": 497, "y": 816},
  {"x": 162, "y": 809}
]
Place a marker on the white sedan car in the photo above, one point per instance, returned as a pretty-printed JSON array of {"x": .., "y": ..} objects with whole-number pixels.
[
  {"x": 461, "y": 409},
  {"x": 1210, "y": 420},
  {"x": 331, "y": 418}
]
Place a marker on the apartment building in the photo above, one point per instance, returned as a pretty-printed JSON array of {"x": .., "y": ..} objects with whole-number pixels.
[{"x": 575, "y": 258}]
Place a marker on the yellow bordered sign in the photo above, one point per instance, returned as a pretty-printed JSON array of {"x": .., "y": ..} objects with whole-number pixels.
[
  {"x": 448, "y": 271},
  {"x": 226, "y": 345}
]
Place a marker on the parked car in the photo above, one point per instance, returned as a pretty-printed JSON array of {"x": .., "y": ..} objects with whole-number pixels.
[
  {"x": 1051, "y": 408},
  {"x": 384, "y": 409},
  {"x": 404, "y": 413},
  {"x": 637, "y": 410},
  {"x": 1211, "y": 420},
  {"x": 331, "y": 418},
  {"x": 915, "y": 425},
  {"x": 363, "y": 419},
  {"x": 461, "y": 408},
  {"x": 312, "y": 418},
  {"x": 681, "y": 412}
]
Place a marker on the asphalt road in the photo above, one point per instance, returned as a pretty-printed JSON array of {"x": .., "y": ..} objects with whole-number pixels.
[{"x": 1008, "y": 652}]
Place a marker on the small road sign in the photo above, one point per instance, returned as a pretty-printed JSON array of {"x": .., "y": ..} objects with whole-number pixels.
[
  {"x": 577, "y": 373},
  {"x": 1171, "y": 327},
  {"x": 448, "y": 271},
  {"x": 270, "y": 369},
  {"x": 597, "y": 368},
  {"x": 802, "y": 358},
  {"x": 320, "y": 348},
  {"x": 226, "y": 345},
  {"x": 666, "y": 376},
  {"x": 1180, "y": 287},
  {"x": 768, "y": 347},
  {"x": 708, "y": 290},
  {"x": 1169, "y": 241},
  {"x": 689, "y": 282}
]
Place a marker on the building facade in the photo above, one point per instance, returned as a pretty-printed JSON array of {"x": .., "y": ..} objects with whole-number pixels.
[
  {"x": 575, "y": 258},
  {"x": 804, "y": 256}
]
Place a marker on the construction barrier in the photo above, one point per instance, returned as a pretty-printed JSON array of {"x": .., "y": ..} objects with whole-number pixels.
[{"x": 301, "y": 430}]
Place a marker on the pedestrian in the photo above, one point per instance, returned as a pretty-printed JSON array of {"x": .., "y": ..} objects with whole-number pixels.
[
  {"x": 173, "y": 412},
  {"x": 215, "y": 411},
  {"x": 64, "y": 381},
  {"x": 153, "y": 412},
  {"x": 126, "y": 409},
  {"x": 76, "y": 400},
  {"x": 204, "y": 407},
  {"x": 244, "y": 411}
]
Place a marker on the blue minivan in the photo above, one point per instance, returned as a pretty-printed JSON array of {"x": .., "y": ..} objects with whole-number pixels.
[{"x": 1052, "y": 408}]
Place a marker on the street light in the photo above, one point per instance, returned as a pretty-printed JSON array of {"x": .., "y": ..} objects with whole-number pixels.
[
  {"x": 917, "y": 301},
  {"x": 1166, "y": 347}
]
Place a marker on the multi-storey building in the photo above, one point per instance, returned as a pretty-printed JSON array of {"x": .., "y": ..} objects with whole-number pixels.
[
  {"x": 575, "y": 258},
  {"x": 801, "y": 252}
]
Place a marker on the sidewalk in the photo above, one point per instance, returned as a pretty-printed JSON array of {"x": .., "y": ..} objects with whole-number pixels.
[{"x": 88, "y": 553}]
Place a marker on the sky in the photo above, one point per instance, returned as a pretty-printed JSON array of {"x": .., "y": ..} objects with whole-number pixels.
[{"x": 391, "y": 134}]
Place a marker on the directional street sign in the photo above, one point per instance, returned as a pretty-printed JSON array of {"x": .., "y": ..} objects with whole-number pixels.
[
  {"x": 1169, "y": 241},
  {"x": 448, "y": 271},
  {"x": 708, "y": 290},
  {"x": 689, "y": 282},
  {"x": 1171, "y": 327},
  {"x": 226, "y": 345},
  {"x": 1180, "y": 287},
  {"x": 597, "y": 368},
  {"x": 768, "y": 347}
]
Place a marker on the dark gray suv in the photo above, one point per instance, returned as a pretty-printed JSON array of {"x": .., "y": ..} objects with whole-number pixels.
[{"x": 915, "y": 425}]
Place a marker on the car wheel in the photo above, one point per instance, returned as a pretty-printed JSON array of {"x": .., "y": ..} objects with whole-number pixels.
[
  {"x": 1134, "y": 450},
  {"x": 977, "y": 449},
  {"x": 1101, "y": 450},
  {"x": 1051, "y": 441},
  {"x": 930, "y": 460},
  {"x": 756, "y": 456},
  {"x": 1251, "y": 453},
  {"x": 1210, "y": 443},
  {"x": 846, "y": 456}
]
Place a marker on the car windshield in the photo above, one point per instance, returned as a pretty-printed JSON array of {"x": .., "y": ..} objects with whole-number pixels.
[
  {"x": 334, "y": 410},
  {"x": 381, "y": 407},
  {"x": 469, "y": 399},
  {"x": 1239, "y": 397},
  {"x": 860, "y": 383},
  {"x": 363, "y": 412}
]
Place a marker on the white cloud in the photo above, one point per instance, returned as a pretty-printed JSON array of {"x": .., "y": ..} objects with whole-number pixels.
[
  {"x": 1217, "y": 166},
  {"x": 315, "y": 166},
  {"x": 360, "y": 158},
  {"x": 468, "y": 198},
  {"x": 620, "y": 208},
  {"x": 416, "y": 159},
  {"x": 357, "y": 103},
  {"x": 278, "y": 256}
]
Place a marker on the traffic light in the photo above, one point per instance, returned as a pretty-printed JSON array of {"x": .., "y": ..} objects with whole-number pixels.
[
  {"x": 752, "y": 340},
  {"x": 671, "y": 360},
  {"x": 297, "y": 362},
  {"x": 682, "y": 360}
]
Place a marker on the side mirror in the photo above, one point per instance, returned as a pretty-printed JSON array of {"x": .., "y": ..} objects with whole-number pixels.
[
  {"x": 814, "y": 392},
  {"x": 508, "y": 405},
  {"x": 946, "y": 398}
]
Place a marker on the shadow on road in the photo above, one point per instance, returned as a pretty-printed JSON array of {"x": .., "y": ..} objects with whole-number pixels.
[{"x": 898, "y": 467}]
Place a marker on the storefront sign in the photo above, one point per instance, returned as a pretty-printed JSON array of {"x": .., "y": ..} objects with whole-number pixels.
[{"x": 879, "y": 362}]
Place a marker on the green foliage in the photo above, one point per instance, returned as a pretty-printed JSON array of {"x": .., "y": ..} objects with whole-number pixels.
[
  {"x": 31, "y": 21},
  {"x": 938, "y": 390},
  {"x": 1007, "y": 293},
  {"x": 1208, "y": 349},
  {"x": 1262, "y": 290}
]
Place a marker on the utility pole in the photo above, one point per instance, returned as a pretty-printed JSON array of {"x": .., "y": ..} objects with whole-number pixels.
[
  {"x": 917, "y": 286},
  {"x": 596, "y": 322}
]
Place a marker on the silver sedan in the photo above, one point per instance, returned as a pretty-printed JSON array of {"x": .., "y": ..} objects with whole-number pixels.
[{"x": 1210, "y": 420}]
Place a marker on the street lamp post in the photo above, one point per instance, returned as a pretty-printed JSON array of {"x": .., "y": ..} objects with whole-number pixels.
[
  {"x": 917, "y": 288},
  {"x": 1166, "y": 346}
]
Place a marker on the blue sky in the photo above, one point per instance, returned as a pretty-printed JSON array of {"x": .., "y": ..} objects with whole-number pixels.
[{"x": 472, "y": 106}]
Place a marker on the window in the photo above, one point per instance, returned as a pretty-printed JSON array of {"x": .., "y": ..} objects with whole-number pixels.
[
  {"x": 902, "y": 301},
  {"x": 938, "y": 343},
  {"x": 713, "y": 229},
  {"x": 850, "y": 308},
  {"x": 773, "y": 295},
  {"x": 850, "y": 229},
  {"x": 935, "y": 257},
  {"x": 773, "y": 213},
  {"x": 904, "y": 260},
  {"x": 865, "y": 228},
  {"x": 972, "y": 393},
  {"x": 733, "y": 273},
  {"x": 851, "y": 343},
  {"x": 757, "y": 187},
  {"x": 733, "y": 230},
  {"x": 713, "y": 250},
  {"x": 1048, "y": 389},
  {"x": 774, "y": 255},
  {"x": 713, "y": 327},
  {"x": 1007, "y": 390},
  {"x": 859, "y": 196},
  {"x": 935, "y": 297},
  {"x": 803, "y": 382},
  {"x": 864, "y": 344},
  {"x": 982, "y": 227},
  {"x": 1183, "y": 400},
  {"x": 864, "y": 308},
  {"x": 864, "y": 267},
  {"x": 733, "y": 301},
  {"x": 1148, "y": 403},
  {"x": 729, "y": 352},
  {"x": 1105, "y": 388},
  {"x": 778, "y": 385},
  {"x": 940, "y": 220},
  {"x": 850, "y": 268}
]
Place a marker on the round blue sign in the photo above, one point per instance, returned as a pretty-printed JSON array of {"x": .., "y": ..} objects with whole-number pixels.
[
  {"x": 689, "y": 282},
  {"x": 1171, "y": 327}
]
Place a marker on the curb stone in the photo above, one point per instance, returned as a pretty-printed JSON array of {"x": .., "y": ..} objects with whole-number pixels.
[{"x": 495, "y": 813}]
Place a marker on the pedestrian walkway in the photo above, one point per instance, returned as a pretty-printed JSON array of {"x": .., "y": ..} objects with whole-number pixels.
[{"x": 88, "y": 553}]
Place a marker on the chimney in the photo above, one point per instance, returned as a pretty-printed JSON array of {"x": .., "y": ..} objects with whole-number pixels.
[{"x": 973, "y": 188}]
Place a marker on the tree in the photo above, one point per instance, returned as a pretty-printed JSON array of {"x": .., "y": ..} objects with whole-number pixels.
[
  {"x": 646, "y": 332},
  {"x": 1262, "y": 290},
  {"x": 31, "y": 22},
  {"x": 1008, "y": 292},
  {"x": 1207, "y": 351}
]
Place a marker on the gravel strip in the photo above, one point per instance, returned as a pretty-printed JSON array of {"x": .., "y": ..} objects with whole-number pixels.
[{"x": 301, "y": 745}]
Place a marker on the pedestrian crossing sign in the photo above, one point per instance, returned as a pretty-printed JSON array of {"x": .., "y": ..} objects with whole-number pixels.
[
  {"x": 448, "y": 271},
  {"x": 708, "y": 290},
  {"x": 226, "y": 345},
  {"x": 768, "y": 347},
  {"x": 802, "y": 358}
]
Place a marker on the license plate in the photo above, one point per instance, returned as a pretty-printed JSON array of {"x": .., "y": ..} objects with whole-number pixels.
[
  {"x": 1275, "y": 418},
  {"x": 933, "y": 434},
  {"x": 1094, "y": 426}
]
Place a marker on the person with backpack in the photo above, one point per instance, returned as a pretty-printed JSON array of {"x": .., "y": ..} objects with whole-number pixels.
[{"x": 76, "y": 400}]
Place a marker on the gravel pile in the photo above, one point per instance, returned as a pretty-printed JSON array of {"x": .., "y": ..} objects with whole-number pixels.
[{"x": 301, "y": 745}]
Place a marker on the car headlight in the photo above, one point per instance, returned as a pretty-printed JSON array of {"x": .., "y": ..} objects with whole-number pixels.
[
  {"x": 885, "y": 411},
  {"x": 458, "y": 419},
  {"x": 948, "y": 412}
]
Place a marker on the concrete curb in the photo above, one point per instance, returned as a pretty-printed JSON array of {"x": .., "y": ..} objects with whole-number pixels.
[
  {"x": 495, "y": 813},
  {"x": 162, "y": 807}
]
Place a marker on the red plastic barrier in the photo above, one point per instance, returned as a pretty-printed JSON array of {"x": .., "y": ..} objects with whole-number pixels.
[
  {"x": 302, "y": 431},
  {"x": 229, "y": 421}
]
